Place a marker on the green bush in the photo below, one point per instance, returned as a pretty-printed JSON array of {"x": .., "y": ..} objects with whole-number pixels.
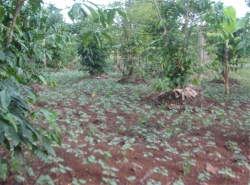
[{"x": 93, "y": 58}]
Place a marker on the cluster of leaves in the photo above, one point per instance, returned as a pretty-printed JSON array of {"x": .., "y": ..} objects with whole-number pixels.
[
  {"x": 176, "y": 50},
  {"x": 244, "y": 42},
  {"x": 56, "y": 48},
  {"x": 41, "y": 37},
  {"x": 93, "y": 58},
  {"x": 182, "y": 22},
  {"x": 215, "y": 37},
  {"x": 104, "y": 17},
  {"x": 131, "y": 37},
  {"x": 235, "y": 56},
  {"x": 17, "y": 132},
  {"x": 91, "y": 47}
]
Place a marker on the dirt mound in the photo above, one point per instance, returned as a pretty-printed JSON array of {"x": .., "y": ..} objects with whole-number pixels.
[
  {"x": 232, "y": 81},
  {"x": 179, "y": 97},
  {"x": 132, "y": 80}
]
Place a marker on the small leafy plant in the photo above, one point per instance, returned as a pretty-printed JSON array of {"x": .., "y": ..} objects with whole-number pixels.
[{"x": 227, "y": 172}]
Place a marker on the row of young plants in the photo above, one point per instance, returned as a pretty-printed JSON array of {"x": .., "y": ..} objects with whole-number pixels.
[{"x": 80, "y": 135}]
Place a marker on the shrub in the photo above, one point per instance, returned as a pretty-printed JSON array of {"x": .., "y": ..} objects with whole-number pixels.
[{"x": 93, "y": 58}]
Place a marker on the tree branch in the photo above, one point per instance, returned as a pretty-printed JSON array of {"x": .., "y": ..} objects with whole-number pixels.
[
  {"x": 165, "y": 34},
  {"x": 186, "y": 25}
]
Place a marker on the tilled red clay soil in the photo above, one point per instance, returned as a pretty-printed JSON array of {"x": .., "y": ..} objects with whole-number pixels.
[{"x": 134, "y": 163}]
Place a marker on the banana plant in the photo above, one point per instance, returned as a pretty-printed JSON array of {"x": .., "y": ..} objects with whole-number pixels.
[
  {"x": 225, "y": 30},
  {"x": 245, "y": 43},
  {"x": 228, "y": 28}
]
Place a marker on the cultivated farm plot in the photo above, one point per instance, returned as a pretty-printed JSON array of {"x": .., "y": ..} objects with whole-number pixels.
[{"x": 111, "y": 135}]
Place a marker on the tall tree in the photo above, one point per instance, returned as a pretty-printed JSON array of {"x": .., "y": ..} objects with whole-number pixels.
[
  {"x": 132, "y": 36},
  {"x": 176, "y": 50}
]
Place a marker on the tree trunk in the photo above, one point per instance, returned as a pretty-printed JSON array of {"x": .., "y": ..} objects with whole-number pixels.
[
  {"x": 226, "y": 70},
  {"x": 131, "y": 70},
  {"x": 44, "y": 55},
  {"x": 19, "y": 4},
  {"x": 200, "y": 50},
  {"x": 165, "y": 34},
  {"x": 117, "y": 56},
  {"x": 186, "y": 27},
  {"x": 131, "y": 64}
]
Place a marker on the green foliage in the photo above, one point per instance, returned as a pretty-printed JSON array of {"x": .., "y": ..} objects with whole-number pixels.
[
  {"x": 58, "y": 46},
  {"x": 176, "y": 51},
  {"x": 78, "y": 182},
  {"x": 235, "y": 55},
  {"x": 19, "y": 128},
  {"x": 244, "y": 42},
  {"x": 131, "y": 36},
  {"x": 104, "y": 17},
  {"x": 56, "y": 50},
  {"x": 227, "y": 172},
  {"x": 92, "y": 48},
  {"x": 75, "y": 11},
  {"x": 160, "y": 85},
  {"x": 93, "y": 58},
  {"x": 229, "y": 22},
  {"x": 16, "y": 129},
  {"x": 204, "y": 176},
  {"x": 3, "y": 169},
  {"x": 45, "y": 179},
  {"x": 45, "y": 37},
  {"x": 226, "y": 30},
  {"x": 178, "y": 182}
]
